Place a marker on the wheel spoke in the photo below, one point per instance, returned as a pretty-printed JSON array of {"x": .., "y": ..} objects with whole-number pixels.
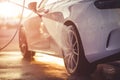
[
  {"x": 71, "y": 38},
  {"x": 75, "y": 53},
  {"x": 70, "y": 61},
  {"x": 66, "y": 56},
  {"x": 74, "y": 61},
  {"x": 71, "y": 52},
  {"x": 75, "y": 44}
]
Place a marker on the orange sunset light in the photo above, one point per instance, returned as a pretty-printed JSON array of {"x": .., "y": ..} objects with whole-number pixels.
[{"x": 8, "y": 9}]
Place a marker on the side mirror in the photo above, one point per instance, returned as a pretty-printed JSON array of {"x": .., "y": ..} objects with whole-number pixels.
[{"x": 32, "y": 6}]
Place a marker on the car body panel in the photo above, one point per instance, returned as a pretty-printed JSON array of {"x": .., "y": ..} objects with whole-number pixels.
[
  {"x": 99, "y": 30},
  {"x": 95, "y": 26},
  {"x": 34, "y": 33}
]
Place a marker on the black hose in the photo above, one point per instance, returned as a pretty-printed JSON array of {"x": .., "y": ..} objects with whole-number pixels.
[{"x": 18, "y": 27}]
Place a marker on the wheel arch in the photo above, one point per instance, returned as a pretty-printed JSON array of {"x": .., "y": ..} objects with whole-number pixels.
[
  {"x": 84, "y": 63},
  {"x": 70, "y": 22}
]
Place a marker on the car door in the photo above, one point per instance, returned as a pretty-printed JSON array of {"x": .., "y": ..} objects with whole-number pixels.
[
  {"x": 53, "y": 20},
  {"x": 37, "y": 36}
]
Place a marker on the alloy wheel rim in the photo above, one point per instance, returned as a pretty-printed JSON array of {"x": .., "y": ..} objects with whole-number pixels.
[{"x": 71, "y": 53}]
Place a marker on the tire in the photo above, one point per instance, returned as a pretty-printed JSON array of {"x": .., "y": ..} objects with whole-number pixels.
[
  {"x": 73, "y": 53},
  {"x": 23, "y": 45}
]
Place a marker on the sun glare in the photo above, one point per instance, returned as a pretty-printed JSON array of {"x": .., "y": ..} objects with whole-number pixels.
[
  {"x": 49, "y": 59},
  {"x": 9, "y": 10}
]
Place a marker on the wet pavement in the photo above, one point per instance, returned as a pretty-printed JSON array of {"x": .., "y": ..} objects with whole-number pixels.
[
  {"x": 14, "y": 67},
  {"x": 45, "y": 67}
]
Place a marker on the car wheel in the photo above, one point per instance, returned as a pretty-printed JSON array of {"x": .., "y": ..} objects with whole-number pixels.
[
  {"x": 73, "y": 53},
  {"x": 23, "y": 45}
]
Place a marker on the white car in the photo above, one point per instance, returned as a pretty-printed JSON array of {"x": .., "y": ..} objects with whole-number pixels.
[{"x": 84, "y": 32}]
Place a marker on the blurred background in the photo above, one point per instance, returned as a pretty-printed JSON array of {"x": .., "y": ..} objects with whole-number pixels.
[{"x": 10, "y": 14}]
